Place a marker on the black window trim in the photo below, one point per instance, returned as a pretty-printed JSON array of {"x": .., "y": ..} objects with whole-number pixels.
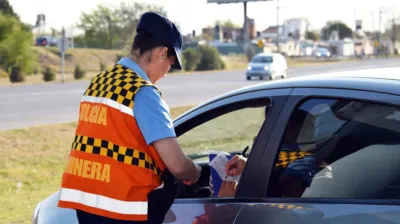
[
  {"x": 297, "y": 97},
  {"x": 205, "y": 108},
  {"x": 277, "y": 99}
]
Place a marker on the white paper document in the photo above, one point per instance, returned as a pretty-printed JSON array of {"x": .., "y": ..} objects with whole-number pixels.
[{"x": 219, "y": 164}]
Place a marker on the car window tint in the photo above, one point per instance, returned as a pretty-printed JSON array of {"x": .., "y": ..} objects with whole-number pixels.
[
  {"x": 229, "y": 132},
  {"x": 263, "y": 59},
  {"x": 337, "y": 148}
]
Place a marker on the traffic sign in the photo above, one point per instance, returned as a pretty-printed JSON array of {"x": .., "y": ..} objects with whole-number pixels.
[
  {"x": 63, "y": 44},
  {"x": 260, "y": 43}
]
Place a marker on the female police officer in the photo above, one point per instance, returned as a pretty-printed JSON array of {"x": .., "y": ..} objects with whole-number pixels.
[{"x": 125, "y": 148}]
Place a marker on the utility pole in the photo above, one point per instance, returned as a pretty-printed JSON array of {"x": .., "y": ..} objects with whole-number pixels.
[
  {"x": 246, "y": 26},
  {"x": 338, "y": 30},
  {"x": 373, "y": 21},
  {"x": 394, "y": 38},
  {"x": 380, "y": 23},
  {"x": 277, "y": 26},
  {"x": 62, "y": 49}
]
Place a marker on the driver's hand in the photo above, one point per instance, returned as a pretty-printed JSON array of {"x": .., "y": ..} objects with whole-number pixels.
[
  {"x": 235, "y": 166},
  {"x": 228, "y": 189},
  {"x": 198, "y": 174}
]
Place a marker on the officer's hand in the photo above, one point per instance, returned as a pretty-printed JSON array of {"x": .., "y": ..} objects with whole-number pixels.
[
  {"x": 198, "y": 174},
  {"x": 235, "y": 166}
]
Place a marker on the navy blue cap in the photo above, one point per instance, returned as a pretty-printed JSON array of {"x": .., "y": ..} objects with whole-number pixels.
[{"x": 165, "y": 31}]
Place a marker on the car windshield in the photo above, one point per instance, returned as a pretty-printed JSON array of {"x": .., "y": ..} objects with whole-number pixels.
[
  {"x": 262, "y": 59},
  {"x": 322, "y": 49}
]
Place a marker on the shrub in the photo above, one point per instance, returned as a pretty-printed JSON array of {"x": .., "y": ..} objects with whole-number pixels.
[
  {"x": 102, "y": 66},
  {"x": 118, "y": 57},
  {"x": 16, "y": 74},
  {"x": 250, "y": 52},
  {"x": 49, "y": 74},
  {"x": 222, "y": 64},
  {"x": 79, "y": 73},
  {"x": 191, "y": 58},
  {"x": 36, "y": 70},
  {"x": 3, "y": 74},
  {"x": 209, "y": 59}
]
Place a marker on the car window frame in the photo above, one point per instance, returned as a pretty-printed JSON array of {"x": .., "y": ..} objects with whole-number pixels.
[
  {"x": 277, "y": 98},
  {"x": 298, "y": 97}
]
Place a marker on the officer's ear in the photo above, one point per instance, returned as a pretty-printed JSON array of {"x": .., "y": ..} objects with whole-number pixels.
[{"x": 163, "y": 53}]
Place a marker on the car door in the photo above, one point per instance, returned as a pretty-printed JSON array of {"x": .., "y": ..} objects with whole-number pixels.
[
  {"x": 230, "y": 124},
  {"x": 348, "y": 172}
]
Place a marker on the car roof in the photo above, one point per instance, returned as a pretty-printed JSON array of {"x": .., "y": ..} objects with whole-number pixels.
[{"x": 385, "y": 80}]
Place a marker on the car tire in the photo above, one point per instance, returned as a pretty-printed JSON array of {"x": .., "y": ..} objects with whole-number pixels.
[{"x": 248, "y": 78}]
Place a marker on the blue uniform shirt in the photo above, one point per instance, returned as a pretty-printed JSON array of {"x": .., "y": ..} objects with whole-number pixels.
[{"x": 150, "y": 110}]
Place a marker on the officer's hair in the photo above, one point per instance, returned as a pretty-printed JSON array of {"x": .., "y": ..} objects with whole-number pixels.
[{"x": 145, "y": 41}]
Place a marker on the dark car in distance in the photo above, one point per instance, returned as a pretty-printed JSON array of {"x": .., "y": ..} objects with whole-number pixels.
[{"x": 348, "y": 124}]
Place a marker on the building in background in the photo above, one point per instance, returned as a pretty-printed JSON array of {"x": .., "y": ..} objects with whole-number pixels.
[
  {"x": 291, "y": 29},
  {"x": 295, "y": 29},
  {"x": 228, "y": 34},
  {"x": 269, "y": 34}
]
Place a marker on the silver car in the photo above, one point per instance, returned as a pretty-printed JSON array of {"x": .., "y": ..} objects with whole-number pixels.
[
  {"x": 347, "y": 127},
  {"x": 322, "y": 53},
  {"x": 267, "y": 65}
]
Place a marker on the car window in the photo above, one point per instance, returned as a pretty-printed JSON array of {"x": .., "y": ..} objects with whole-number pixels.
[
  {"x": 231, "y": 131},
  {"x": 262, "y": 59},
  {"x": 338, "y": 148}
]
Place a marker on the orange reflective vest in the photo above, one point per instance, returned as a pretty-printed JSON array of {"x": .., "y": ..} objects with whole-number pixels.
[{"x": 111, "y": 169}]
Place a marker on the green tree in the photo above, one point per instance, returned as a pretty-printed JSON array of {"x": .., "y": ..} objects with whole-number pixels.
[
  {"x": 312, "y": 35},
  {"x": 101, "y": 27},
  {"x": 112, "y": 27},
  {"x": 344, "y": 30},
  {"x": 130, "y": 14},
  {"x": 227, "y": 23},
  {"x": 15, "y": 45},
  {"x": 7, "y": 9}
]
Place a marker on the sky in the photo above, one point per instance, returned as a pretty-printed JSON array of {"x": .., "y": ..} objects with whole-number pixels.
[{"x": 196, "y": 14}]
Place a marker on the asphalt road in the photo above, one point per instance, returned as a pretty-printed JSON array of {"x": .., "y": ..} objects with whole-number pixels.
[{"x": 31, "y": 105}]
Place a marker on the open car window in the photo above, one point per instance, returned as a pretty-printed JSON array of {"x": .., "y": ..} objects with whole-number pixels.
[{"x": 229, "y": 128}]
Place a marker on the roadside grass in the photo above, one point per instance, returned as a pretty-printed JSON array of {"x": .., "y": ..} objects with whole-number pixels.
[{"x": 31, "y": 165}]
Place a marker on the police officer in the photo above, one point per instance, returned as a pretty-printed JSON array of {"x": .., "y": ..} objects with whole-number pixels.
[{"x": 125, "y": 156}]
